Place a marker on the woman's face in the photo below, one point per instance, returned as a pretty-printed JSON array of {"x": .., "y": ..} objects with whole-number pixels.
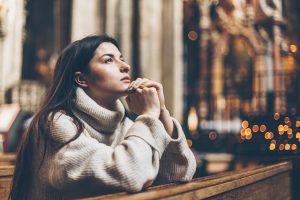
[{"x": 108, "y": 72}]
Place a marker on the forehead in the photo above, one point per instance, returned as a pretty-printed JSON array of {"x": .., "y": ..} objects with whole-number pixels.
[{"x": 107, "y": 48}]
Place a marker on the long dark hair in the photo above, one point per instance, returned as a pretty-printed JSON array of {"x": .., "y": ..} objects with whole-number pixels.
[{"x": 75, "y": 57}]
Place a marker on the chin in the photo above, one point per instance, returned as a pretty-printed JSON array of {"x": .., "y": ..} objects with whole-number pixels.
[{"x": 122, "y": 92}]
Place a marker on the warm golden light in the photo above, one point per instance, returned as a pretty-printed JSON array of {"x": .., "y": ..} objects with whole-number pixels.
[
  {"x": 192, "y": 35},
  {"x": 276, "y": 116},
  {"x": 212, "y": 135},
  {"x": 193, "y": 120},
  {"x": 293, "y": 48},
  {"x": 248, "y": 131},
  {"x": 297, "y": 123},
  {"x": 271, "y": 135},
  {"x": 294, "y": 147},
  {"x": 272, "y": 146},
  {"x": 263, "y": 128},
  {"x": 285, "y": 127},
  {"x": 286, "y": 120},
  {"x": 281, "y": 147},
  {"x": 255, "y": 128},
  {"x": 242, "y": 132},
  {"x": 249, "y": 137},
  {"x": 281, "y": 132},
  {"x": 280, "y": 128},
  {"x": 245, "y": 124},
  {"x": 287, "y": 147},
  {"x": 298, "y": 135},
  {"x": 273, "y": 141},
  {"x": 289, "y": 131},
  {"x": 267, "y": 135},
  {"x": 189, "y": 142}
]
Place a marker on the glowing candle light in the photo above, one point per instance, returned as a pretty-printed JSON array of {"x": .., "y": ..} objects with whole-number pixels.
[
  {"x": 255, "y": 128},
  {"x": 193, "y": 120},
  {"x": 287, "y": 147},
  {"x": 276, "y": 116},
  {"x": 272, "y": 146},
  {"x": 245, "y": 124},
  {"x": 263, "y": 128}
]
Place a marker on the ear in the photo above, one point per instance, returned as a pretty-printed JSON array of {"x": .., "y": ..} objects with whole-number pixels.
[{"x": 80, "y": 79}]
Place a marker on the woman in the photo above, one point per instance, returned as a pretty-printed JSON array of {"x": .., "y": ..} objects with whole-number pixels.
[{"x": 82, "y": 144}]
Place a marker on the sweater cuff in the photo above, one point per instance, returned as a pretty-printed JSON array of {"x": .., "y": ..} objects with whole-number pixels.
[
  {"x": 179, "y": 144},
  {"x": 156, "y": 136}
]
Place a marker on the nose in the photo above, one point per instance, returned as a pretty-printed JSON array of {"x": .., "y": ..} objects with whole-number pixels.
[{"x": 124, "y": 67}]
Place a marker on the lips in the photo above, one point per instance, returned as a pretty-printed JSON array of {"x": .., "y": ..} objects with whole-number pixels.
[{"x": 126, "y": 78}]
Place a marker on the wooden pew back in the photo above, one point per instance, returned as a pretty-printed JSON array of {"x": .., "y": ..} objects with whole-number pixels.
[
  {"x": 269, "y": 182},
  {"x": 266, "y": 182}
]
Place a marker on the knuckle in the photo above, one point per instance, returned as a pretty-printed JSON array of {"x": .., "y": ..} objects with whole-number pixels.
[
  {"x": 144, "y": 90},
  {"x": 152, "y": 89}
]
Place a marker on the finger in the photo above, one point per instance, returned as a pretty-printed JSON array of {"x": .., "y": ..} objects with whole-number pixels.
[
  {"x": 139, "y": 82},
  {"x": 133, "y": 95},
  {"x": 131, "y": 88},
  {"x": 154, "y": 84},
  {"x": 149, "y": 91},
  {"x": 131, "y": 84},
  {"x": 139, "y": 91}
]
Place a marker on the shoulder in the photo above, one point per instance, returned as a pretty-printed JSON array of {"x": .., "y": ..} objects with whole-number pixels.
[{"x": 61, "y": 126}]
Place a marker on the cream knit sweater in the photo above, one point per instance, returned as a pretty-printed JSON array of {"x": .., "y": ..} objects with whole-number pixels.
[{"x": 113, "y": 153}]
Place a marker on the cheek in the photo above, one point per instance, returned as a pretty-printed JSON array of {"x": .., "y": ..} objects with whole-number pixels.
[{"x": 103, "y": 75}]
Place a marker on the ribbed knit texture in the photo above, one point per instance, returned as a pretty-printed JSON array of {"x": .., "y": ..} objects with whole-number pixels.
[{"x": 113, "y": 153}]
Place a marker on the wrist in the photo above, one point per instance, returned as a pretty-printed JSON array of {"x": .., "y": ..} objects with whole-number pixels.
[
  {"x": 152, "y": 114},
  {"x": 163, "y": 109}
]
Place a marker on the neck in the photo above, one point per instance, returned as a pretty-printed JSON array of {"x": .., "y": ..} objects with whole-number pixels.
[
  {"x": 106, "y": 101},
  {"x": 103, "y": 115}
]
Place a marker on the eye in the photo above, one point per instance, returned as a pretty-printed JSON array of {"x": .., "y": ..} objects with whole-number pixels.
[{"x": 108, "y": 60}]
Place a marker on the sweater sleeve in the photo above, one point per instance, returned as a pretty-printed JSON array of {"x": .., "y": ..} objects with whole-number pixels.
[
  {"x": 178, "y": 163},
  {"x": 130, "y": 166}
]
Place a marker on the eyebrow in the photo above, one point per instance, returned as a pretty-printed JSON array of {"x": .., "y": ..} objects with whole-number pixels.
[{"x": 111, "y": 55}]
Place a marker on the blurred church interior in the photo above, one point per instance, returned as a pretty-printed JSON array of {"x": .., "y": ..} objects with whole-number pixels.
[{"x": 230, "y": 68}]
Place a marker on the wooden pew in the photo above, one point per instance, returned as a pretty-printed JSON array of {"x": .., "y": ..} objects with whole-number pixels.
[
  {"x": 6, "y": 174},
  {"x": 7, "y": 159},
  {"x": 7, "y": 162},
  {"x": 265, "y": 182},
  {"x": 268, "y": 182}
]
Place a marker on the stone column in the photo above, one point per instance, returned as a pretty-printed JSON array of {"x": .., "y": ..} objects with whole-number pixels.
[
  {"x": 12, "y": 23},
  {"x": 112, "y": 17},
  {"x": 172, "y": 56},
  {"x": 219, "y": 48},
  {"x": 125, "y": 35},
  {"x": 118, "y": 24},
  {"x": 161, "y": 48},
  {"x": 150, "y": 13},
  {"x": 204, "y": 80},
  {"x": 87, "y": 18},
  {"x": 280, "y": 104}
]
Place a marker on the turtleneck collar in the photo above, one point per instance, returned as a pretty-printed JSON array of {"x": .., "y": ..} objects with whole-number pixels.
[{"x": 97, "y": 116}]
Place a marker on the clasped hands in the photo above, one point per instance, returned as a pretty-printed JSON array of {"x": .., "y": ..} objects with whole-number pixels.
[{"x": 147, "y": 97}]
